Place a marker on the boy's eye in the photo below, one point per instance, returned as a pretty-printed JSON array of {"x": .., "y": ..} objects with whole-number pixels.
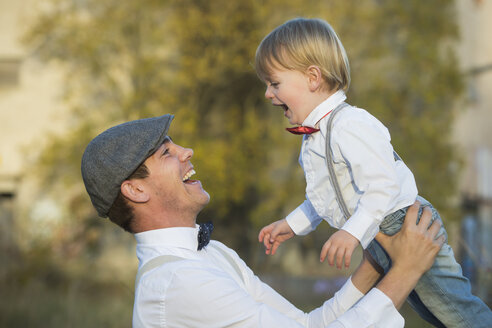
[{"x": 274, "y": 84}]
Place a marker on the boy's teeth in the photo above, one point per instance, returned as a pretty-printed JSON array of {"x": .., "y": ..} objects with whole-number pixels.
[{"x": 188, "y": 175}]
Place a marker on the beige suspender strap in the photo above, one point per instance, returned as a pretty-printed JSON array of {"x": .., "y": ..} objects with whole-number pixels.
[
  {"x": 163, "y": 259},
  {"x": 154, "y": 263},
  {"x": 330, "y": 162}
]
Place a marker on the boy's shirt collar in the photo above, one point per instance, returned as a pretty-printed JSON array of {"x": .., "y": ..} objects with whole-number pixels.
[{"x": 322, "y": 109}]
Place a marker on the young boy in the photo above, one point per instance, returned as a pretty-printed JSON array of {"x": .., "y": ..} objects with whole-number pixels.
[{"x": 306, "y": 70}]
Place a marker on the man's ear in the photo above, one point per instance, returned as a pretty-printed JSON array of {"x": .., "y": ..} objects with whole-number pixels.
[
  {"x": 315, "y": 77},
  {"x": 134, "y": 191}
]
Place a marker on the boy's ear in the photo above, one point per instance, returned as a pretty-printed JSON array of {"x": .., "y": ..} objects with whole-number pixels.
[
  {"x": 315, "y": 77},
  {"x": 134, "y": 191}
]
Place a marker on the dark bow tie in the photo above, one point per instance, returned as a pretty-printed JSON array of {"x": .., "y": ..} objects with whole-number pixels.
[
  {"x": 204, "y": 234},
  {"x": 302, "y": 130}
]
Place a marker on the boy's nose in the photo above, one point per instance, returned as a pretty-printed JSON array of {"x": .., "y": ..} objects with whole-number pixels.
[{"x": 268, "y": 93}]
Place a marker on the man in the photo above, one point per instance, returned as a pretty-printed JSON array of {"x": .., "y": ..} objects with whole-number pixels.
[{"x": 140, "y": 179}]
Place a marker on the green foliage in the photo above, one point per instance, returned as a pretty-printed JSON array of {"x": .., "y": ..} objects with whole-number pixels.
[
  {"x": 133, "y": 59},
  {"x": 126, "y": 60}
]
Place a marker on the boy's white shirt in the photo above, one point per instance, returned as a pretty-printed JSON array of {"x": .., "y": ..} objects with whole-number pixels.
[{"x": 373, "y": 184}]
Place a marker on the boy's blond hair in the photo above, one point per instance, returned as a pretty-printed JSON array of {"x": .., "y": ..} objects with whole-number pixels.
[{"x": 300, "y": 43}]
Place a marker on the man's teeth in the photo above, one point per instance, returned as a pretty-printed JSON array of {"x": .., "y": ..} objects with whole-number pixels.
[{"x": 188, "y": 175}]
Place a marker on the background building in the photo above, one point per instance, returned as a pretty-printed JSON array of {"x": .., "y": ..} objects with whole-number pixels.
[{"x": 473, "y": 134}]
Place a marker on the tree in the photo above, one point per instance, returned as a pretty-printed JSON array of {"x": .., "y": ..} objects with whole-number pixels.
[{"x": 133, "y": 59}]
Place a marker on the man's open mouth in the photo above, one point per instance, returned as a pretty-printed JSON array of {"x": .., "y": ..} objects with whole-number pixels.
[{"x": 186, "y": 178}]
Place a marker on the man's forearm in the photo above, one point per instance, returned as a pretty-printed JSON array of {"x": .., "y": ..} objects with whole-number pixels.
[
  {"x": 397, "y": 285},
  {"x": 366, "y": 276}
]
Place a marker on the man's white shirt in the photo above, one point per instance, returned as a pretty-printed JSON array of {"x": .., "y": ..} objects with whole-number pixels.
[
  {"x": 205, "y": 290},
  {"x": 373, "y": 184}
]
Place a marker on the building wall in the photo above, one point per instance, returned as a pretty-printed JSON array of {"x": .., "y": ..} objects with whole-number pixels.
[
  {"x": 29, "y": 99},
  {"x": 30, "y": 109},
  {"x": 473, "y": 135}
]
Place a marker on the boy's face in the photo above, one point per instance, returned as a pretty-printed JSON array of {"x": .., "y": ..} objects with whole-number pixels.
[{"x": 290, "y": 89}]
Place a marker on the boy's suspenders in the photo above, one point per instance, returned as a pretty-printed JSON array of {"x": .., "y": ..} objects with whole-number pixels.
[
  {"x": 329, "y": 162},
  {"x": 163, "y": 259}
]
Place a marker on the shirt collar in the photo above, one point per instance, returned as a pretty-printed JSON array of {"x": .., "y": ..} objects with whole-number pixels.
[
  {"x": 322, "y": 109},
  {"x": 181, "y": 237}
]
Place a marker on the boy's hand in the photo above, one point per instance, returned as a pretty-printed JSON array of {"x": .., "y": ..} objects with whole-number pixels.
[
  {"x": 339, "y": 246},
  {"x": 274, "y": 234}
]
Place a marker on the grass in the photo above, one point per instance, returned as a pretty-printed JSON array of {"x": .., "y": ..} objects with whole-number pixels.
[{"x": 74, "y": 304}]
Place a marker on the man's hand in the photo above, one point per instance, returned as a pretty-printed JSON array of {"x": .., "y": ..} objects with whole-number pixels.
[
  {"x": 412, "y": 251},
  {"x": 414, "y": 247},
  {"x": 339, "y": 246},
  {"x": 274, "y": 234}
]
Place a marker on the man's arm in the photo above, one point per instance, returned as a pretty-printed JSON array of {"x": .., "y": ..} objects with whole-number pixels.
[{"x": 412, "y": 252}]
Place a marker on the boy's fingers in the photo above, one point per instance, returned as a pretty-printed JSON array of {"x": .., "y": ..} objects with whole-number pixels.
[
  {"x": 348, "y": 258},
  {"x": 331, "y": 255},
  {"x": 324, "y": 251},
  {"x": 266, "y": 240},
  {"x": 274, "y": 233},
  {"x": 275, "y": 246},
  {"x": 339, "y": 256}
]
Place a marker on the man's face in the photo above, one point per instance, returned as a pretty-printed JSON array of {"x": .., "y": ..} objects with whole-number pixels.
[{"x": 169, "y": 180}]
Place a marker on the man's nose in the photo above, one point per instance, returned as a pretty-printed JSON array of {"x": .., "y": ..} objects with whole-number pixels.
[{"x": 185, "y": 154}]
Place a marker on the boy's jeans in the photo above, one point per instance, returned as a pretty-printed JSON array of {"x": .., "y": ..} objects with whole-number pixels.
[{"x": 443, "y": 295}]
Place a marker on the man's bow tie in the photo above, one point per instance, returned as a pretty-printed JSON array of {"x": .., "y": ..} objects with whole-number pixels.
[
  {"x": 204, "y": 234},
  {"x": 302, "y": 130}
]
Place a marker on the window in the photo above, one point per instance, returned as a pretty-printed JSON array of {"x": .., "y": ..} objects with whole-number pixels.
[{"x": 9, "y": 71}]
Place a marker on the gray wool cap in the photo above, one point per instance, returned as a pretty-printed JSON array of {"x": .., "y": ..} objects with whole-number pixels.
[{"x": 111, "y": 157}]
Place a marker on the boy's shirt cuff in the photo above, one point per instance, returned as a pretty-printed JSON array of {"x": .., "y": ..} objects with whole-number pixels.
[
  {"x": 299, "y": 222},
  {"x": 362, "y": 226},
  {"x": 303, "y": 219}
]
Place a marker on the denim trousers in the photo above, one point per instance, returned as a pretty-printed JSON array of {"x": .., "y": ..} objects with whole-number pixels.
[{"x": 443, "y": 295}]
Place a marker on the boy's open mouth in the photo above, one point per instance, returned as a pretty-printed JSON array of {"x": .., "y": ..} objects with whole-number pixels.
[{"x": 284, "y": 106}]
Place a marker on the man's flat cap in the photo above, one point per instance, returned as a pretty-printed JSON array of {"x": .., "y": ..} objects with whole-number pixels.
[{"x": 111, "y": 157}]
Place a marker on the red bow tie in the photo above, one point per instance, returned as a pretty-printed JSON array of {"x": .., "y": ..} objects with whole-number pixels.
[
  {"x": 302, "y": 130},
  {"x": 305, "y": 129}
]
